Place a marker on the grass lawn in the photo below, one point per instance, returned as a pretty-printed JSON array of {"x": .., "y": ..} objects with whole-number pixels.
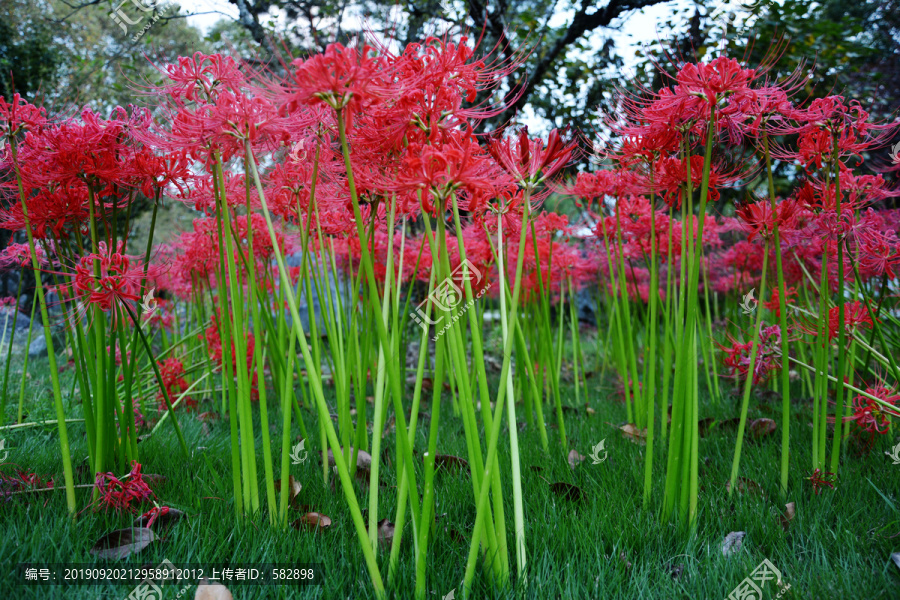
[{"x": 602, "y": 546}]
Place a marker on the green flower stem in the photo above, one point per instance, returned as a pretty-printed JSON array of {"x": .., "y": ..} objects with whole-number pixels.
[
  {"x": 751, "y": 371},
  {"x": 317, "y": 392},
  {"x": 51, "y": 353}
]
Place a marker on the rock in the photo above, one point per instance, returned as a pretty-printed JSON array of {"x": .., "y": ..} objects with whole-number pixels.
[
  {"x": 586, "y": 306},
  {"x": 8, "y": 317},
  {"x": 38, "y": 346}
]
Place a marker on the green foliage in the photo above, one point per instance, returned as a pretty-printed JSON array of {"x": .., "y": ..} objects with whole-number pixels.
[{"x": 29, "y": 56}]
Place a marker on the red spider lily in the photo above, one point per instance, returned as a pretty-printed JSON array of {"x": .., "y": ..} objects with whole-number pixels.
[
  {"x": 871, "y": 416},
  {"x": 153, "y": 514},
  {"x": 774, "y": 303},
  {"x": 856, "y": 316},
  {"x": 759, "y": 219},
  {"x": 821, "y": 479},
  {"x": 768, "y": 355},
  {"x": 19, "y": 255},
  {"x": 119, "y": 281},
  {"x": 172, "y": 372},
  {"x": 19, "y": 114},
  {"x": 339, "y": 77},
  {"x": 529, "y": 161},
  {"x": 120, "y": 493}
]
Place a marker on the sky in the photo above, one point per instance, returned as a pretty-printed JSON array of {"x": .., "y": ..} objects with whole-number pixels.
[{"x": 640, "y": 27}]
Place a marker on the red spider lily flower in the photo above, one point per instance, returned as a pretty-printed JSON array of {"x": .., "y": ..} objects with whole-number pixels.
[
  {"x": 153, "y": 514},
  {"x": 340, "y": 77},
  {"x": 19, "y": 255},
  {"x": 19, "y": 114},
  {"x": 671, "y": 176},
  {"x": 856, "y": 316},
  {"x": 119, "y": 281},
  {"x": 529, "y": 161},
  {"x": 759, "y": 219},
  {"x": 821, "y": 479},
  {"x": 768, "y": 355},
  {"x": 871, "y": 416},
  {"x": 120, "y": 493},
  {"x": 172, "y": 372},
  {"x": 774, "y": 303}
]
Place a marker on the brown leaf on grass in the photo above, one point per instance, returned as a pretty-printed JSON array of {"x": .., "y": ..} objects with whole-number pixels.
[
  {"x": 567, "y": 491},
  {"x": 631, "y": 432},
  {"x": 122, "y": 543},
  {"x": 575, "y": 459},
  {"x": 385, "y": 531},
  {"x": 313, "y": 521},
  {"x": 294, "y": 488},
  {"x": 164, "y": 518},
  {"x": 450, "y": 462},
  {"x": 790, "y": 512},
  {"x": 212, "y": 591},
  {"x": 762, "y": 427},
  {"x": 363, "y": 458},
  {"x": 732, "y": 543},
  {"x": 208, "y": 416},
  {"x": 745, "y": 485}
]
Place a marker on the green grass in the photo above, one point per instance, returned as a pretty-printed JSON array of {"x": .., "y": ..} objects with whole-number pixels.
[{"x": 838, "y": 546}]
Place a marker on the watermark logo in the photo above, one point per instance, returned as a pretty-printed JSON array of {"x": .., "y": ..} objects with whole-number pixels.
[
  {"x": 149, "y": 304},
  {"x": 3, "y": 450},
  {"x": 751, "y": 588},
  {"x": 450, "y": 596},
  {"x": 748, "y": 305},
  {"x": 296, "y": 451},
  {"x": 150, "y": 589},
  {"x": 895, "y": 154},
  {"x": 894, "y": 455},
  {"x": 596, "y": 450},
  {"x": 119, "y": 16},
  {"x": 447, "y": 296}
]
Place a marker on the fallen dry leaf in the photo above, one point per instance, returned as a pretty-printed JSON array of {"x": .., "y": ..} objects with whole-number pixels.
[
  {"x": 212, "y": 591},
  {"x": 385, "y": 531},
  {"x": 363, "y": 458},
  {"x": 294, "y": 488},
  {"x": 312, "y": 520},
  {"x": 575, "y": 458},
  {"x": 762, "y": 427},
  {"x": 732, "y": 543},
  {"x": 638, "y": 436},
  {"x": 790, "y": 512},
  {"x": 122, "y": 543}
]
